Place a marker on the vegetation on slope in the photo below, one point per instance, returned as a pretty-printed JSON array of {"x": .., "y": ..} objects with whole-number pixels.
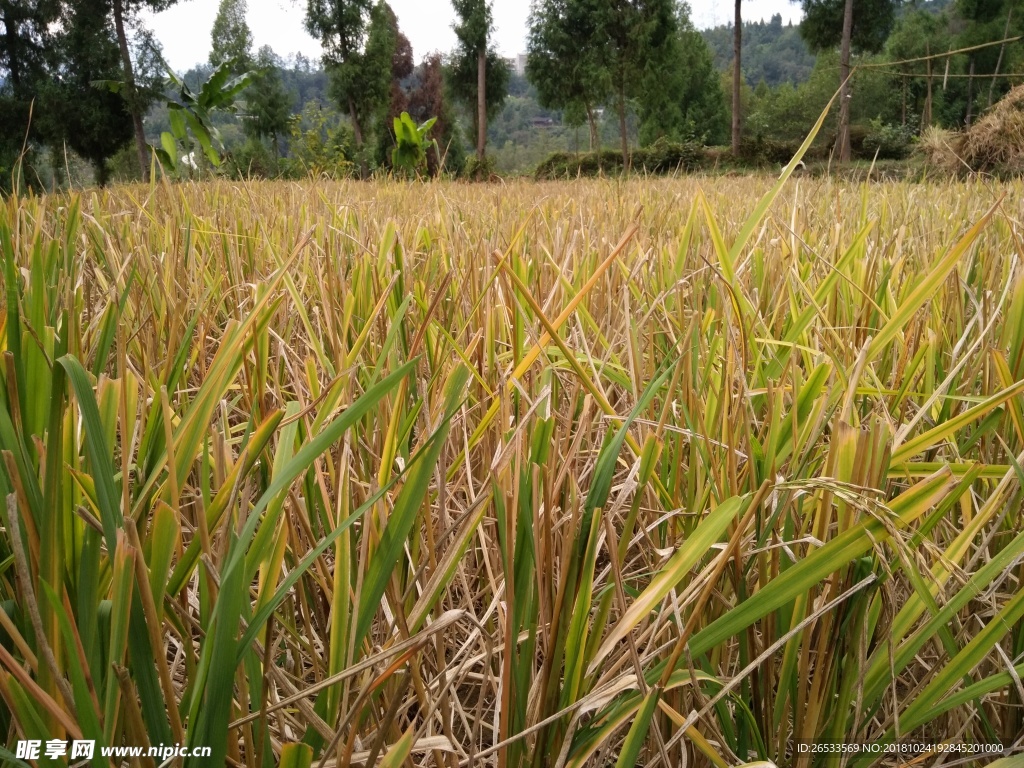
[{"x": 772, "y": 52}]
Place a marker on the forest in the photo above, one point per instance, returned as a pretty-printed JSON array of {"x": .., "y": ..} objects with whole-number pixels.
[{"x": 84, "y": 90}]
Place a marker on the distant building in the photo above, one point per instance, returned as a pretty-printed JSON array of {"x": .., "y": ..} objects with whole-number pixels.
[{"x": 516, "y": 64}]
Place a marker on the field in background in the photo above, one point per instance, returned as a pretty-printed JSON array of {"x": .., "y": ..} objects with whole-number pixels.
[{"x": 584, "y": 473}]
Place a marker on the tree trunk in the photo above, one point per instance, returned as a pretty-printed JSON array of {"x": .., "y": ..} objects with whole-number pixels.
[
  {"x": 357, "y": 133},
  {"x": 737, "y": 44},
  {"x": 592, "y": 122},
  {"x": 999, "y": 61},
  {"x": 131, "y": 92},
  {"x": 13, "y": 65},
  {"x": 626, "y": 164},
  {"x": 481, "y": 104},
  {"x": 102, "y": 173},
  {"x": 970, "y": 93},
  {"x": 906, "y": 85},
  {"x": 843, "y": 139},
  {"x": 926, "y": 117}
]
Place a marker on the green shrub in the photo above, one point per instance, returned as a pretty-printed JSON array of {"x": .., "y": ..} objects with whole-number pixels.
[
  {"x": 124, "y": 165},
  {"x": 665, "y": 156},
  {"x": 252, "y": 160},
  {"x": 764, "y": 151},
  {"x": 562, "y": 165},
  {"x": 659, "y": 158},
  {"x": 319, "y": 143},
  {"x": 479, "y": 170},
  {"x": 858, "y": 134},
  {"x": 890, "y": 142}
]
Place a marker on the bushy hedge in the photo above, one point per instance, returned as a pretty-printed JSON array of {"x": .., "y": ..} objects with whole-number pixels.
[
  {"x": 660, "y": 157},
  {"x": 252, "y": 160},
  {"x": 892, "y": 142},
  {"x": 762, "y": 151}
]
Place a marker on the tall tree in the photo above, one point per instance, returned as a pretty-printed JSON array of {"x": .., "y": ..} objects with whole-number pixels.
[
  {"x": 401, "y": 67},
  {"x": 231, "y": 37},
  {"x": 737, "y": 77},
  {"x": 682, "y": 98},
  {"x": 565, "y": 58},
  {"x": 25, "y": 46},
  {"x": 704, "y": 101},
  {"x": 382, "y": 63},
  {"x": 639, "y": 34},
  {"x": 340, "y": 25},
  {"x": 584, "y": 51},
  {"x": 917, "y": 35},
  {"x": 828, "y": 23},
  {"x": 138, "y": 98},
  {"x": 358, "y": 47},
  {"x": 473, "y": 55},
  {"x": 268, "y": 104},
  {"x": 94, "y": 122}
]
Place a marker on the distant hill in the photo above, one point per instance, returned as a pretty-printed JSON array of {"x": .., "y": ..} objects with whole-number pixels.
[
  {"x": 772, "y": 51},
  {"x": 935, "y": 6}
]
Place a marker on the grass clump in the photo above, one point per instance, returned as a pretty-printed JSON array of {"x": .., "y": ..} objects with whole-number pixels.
[{"x": 522, "y": 475}]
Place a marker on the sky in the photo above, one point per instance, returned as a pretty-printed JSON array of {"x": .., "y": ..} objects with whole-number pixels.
[{"x": 184, "y": 29}]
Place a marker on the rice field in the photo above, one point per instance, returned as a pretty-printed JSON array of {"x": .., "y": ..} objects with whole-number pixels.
[{"x": 677, "y": 472}]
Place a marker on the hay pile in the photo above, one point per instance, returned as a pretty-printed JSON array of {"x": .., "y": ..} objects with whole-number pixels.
[
  {"x": 996, "y": 141},
  {"x": 938, "y": 147},
  {"x": 994, "y": 144}
]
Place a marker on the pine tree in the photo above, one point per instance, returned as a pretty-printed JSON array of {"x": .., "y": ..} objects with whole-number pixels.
[
  {"x": 564, "y": 59},
  {"x": 396, "y": 101},
  {"x": 94, "y": 122},
  {"x": 267, "y": 102},
  {"x": 231, "y": 37},
  {"x": 25, "y": 49},
  {"x": 639, "y": 35},
  {"x": 681, "y": 98}
]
